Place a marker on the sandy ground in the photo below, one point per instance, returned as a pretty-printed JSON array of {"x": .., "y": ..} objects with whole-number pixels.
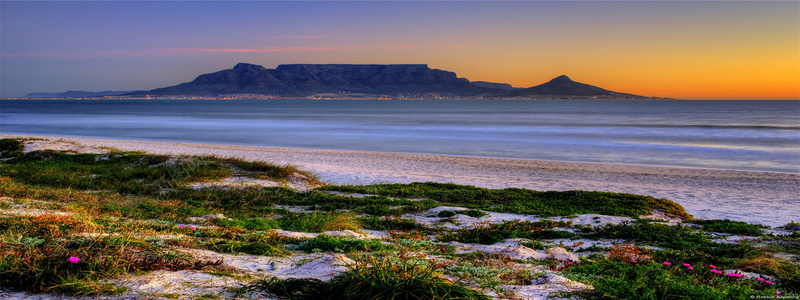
[{"x": 768, "y": 198}]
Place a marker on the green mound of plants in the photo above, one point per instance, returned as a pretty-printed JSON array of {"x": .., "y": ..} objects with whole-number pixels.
[
  {"x": 650, "y": 279},
  {"x": 472, "y": 213},
  {"x": 319, "y": 222},
  {"x": 11, "y": 147},
  {"x": 386, "y": 278},
  {"x": 728, "y": 226},
  {"x": 391, "y": 223},
  {"x": 342, "y": 244},
  {"x": 76, "y": 266},
  {"x": 524, "y": 201},
  {"x": 675, "y": 237}
]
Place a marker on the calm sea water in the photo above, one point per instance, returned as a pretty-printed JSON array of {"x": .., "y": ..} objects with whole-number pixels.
[{"x": 747, "y": 135}]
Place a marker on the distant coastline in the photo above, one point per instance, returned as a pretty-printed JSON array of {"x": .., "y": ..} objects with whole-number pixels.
[
  {"x": 352, "y": 82},
  {"x": 365, "y": 97}
]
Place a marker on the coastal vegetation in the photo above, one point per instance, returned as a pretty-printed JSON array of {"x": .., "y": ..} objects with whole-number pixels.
[{"x": 80, "y": 223}]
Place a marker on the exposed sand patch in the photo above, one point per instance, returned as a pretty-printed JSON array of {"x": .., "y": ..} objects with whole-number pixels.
[
  {"x": 315, "y": 265},
  {"x": 546, "y": 287},
  {"x": 28, "y": 208},
  {"x": 62, "y": 145},
  {"x": 296, "y": 181}
]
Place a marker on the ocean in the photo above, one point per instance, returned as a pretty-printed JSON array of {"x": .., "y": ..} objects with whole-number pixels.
[{"x": 742, "y": 135}]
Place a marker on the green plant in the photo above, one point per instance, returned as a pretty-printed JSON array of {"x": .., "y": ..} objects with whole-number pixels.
[
  {"x": 728, "y": 226},
  {"x": 390, "y": 223},
  {"x": 76, "y": 266},
  {"x": 523, "y": 201},
  {"x": 614, "y": 279},
  {"x": 341, "y": 244},
  {"x": 319, "y": 222},
  {"x": 404, "y": 277},
  {"x": 676, "y": 237},
  {"x": 472, "y": 213},
  {"x": 291, "y": 288},
  {"x": 11, "y": 147}
]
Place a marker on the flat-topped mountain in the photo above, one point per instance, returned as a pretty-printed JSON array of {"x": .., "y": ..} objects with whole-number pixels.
[
  {"x": 300, "y": 80},
  {"x": 305, "y": 79}
]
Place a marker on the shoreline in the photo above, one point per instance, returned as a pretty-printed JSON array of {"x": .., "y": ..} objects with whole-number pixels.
[
  {"x": 566, "y": 162},
  {"x": 768, "y": 198}
]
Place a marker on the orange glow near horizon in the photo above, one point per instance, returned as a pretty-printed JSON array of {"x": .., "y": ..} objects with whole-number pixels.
[{"x": 674, "y": 49}]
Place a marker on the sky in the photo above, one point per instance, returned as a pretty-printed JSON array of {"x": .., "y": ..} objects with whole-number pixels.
[{"x": 685, "y": 50}]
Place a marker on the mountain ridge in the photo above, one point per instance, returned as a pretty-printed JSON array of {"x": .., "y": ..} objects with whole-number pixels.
[{"x": 365, "y": 81}]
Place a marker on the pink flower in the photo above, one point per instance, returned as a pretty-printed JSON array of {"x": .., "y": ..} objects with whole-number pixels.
[
  {"x": 73, "y": 259},
  {"x": 760, "y": 279},
  {"x": 768, "y": 282},
  {"x": 569, "y": 262},
  {"x": 778, "y": 292},
  {"x": 712, "y": 266},
  {"x": 180, "y": 226},
  {"x": 691, "y": 268},
  {"x": 667, "y": 263},
  {"x": 716, "y": 271},
  {"x": 686, "y": 265},
  {"x": 192, "y": 228},
  {"x": 633, "y": 261}
]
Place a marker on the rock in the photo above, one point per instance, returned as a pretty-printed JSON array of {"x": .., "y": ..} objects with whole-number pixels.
[
  {"x": 323, "y": 268},
  {"x": 206, "y": 218},
  {"x": 561, "y": 254},
  {"x": 522, "y": 252}
]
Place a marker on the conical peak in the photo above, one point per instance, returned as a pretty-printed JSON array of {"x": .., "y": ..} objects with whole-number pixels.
[{"x": 562, "y": 78}]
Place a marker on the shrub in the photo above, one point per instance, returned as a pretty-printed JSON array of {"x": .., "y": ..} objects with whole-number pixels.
[
  {"x": 75, "y": 266},
  {"x": 613, "y": 279},
  {"x": 523, "y": 201},
  {"x": 319, "y": 222},
  {"x": 11, "y": 147},
  {"x": 292, "y": 288},
  {"x": 341, "y": 244},
  {"x": 472, "y": 213},
  {"x": 390, "y": 223},
  {"x": 676, "y": 237},
  {"x": 728, "y": 226},
  {"x": 403, "y": 278}
]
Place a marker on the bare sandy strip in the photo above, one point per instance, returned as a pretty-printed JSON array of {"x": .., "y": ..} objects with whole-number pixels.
[{"x": 768, "y": 198}]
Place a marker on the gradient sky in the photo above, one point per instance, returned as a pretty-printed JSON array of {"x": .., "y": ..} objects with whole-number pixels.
[{"x": 688, "y": 50}]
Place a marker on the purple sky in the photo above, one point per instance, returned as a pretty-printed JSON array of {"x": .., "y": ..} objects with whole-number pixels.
[{"x": 669, "y": 49}]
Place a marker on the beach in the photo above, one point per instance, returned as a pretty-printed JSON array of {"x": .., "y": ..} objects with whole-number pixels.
[{"x": 768, "y": 198}]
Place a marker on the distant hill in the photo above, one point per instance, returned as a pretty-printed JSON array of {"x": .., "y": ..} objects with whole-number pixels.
[
  {"x": 77, "y": 94},
  {"x": 563, "y": 87}
]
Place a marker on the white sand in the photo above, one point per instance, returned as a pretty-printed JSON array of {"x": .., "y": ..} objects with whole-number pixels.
[{"x": 768, "y": 198}]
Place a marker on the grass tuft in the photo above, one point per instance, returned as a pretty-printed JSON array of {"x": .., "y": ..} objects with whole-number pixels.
[{"x": 319, "y": 222}]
